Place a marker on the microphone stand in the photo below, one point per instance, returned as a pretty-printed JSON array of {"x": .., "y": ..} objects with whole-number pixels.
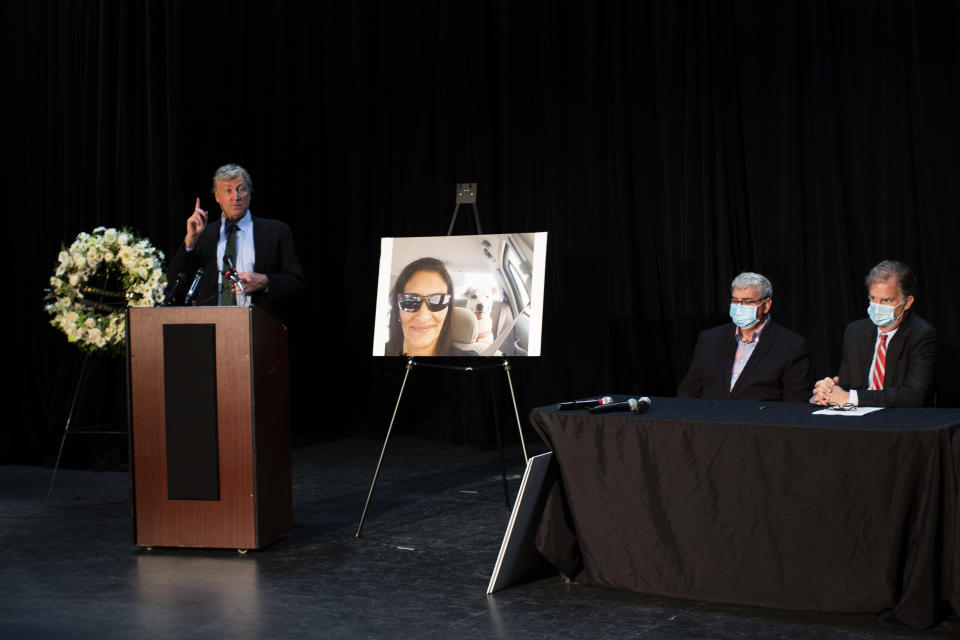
[{"x": 411, "y": 363}]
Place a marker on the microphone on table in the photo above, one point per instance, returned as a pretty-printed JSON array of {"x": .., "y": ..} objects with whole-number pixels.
[
  {"x": 193, "y": 285},
  {"x": 635, "y": 405},
  {"x": 584, "y": 404}
]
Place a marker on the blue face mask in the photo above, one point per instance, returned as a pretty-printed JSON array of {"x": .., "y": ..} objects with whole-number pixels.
[
  {"x": 744, "y": 316},
  {"x": 883, "y": 315}
]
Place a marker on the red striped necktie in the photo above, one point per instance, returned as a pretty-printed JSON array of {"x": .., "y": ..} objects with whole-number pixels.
[{"x": 879, "y": 364}]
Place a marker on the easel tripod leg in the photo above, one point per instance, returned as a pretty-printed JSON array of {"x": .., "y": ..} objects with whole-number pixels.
[
  {"x": 383, "y": 450},
  {"x": 496, "y": 419},
  {"x": 513, "y": 397},
  {"x": 66, "y": 428}
]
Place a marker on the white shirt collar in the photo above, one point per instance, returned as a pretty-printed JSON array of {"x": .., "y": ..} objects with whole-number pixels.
[
  {"x": 889, "y": 334},
  {"x": 245, "y": 223}
]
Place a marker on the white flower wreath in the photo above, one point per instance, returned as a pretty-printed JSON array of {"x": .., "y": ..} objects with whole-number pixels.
[{"x": 96, "y": 279}]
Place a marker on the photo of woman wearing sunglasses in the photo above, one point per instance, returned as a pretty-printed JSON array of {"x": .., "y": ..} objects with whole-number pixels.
[
  {"x": 422, "y": 311},
  {"x": 474, "y": 296}
]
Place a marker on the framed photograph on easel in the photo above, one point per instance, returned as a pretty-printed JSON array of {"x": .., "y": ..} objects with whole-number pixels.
[{"x": 479, "y": 295}]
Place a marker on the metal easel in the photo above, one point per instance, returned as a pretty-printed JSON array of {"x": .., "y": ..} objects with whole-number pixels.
[
  {"x": 106, "y": 297},
  {"x": 466, "y": 194}
]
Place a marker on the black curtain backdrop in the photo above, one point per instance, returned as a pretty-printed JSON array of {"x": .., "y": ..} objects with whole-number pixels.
[{"x": 664, "y": 145}]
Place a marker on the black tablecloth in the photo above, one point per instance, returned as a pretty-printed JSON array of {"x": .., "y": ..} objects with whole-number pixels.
[{"x": 761, "y": 504}]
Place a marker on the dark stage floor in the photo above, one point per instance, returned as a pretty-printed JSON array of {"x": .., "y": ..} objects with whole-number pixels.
[{"x": 69, "y": 570}]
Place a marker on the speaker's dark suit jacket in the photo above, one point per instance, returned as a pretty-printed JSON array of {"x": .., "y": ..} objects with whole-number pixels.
[
  {"x": 275, "y": 257},
  {"x": 778, "y": 369},
  {"x": 911, "y": 357}
]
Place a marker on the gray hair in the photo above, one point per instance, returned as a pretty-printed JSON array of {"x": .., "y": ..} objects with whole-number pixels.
[
  {"x": 231, "y": 172},
  {"x": 749, "y": 279},
  {"x": 906, "y": 279}
]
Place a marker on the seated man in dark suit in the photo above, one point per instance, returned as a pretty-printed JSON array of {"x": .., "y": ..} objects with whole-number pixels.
[
  {"x": 752, "y": 358},
  {"x": 888, "y": 360},
  {"x": 261, "y": 250}
]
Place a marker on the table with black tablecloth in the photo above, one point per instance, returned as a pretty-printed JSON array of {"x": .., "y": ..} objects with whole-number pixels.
[{"x": 759, "y": 503}]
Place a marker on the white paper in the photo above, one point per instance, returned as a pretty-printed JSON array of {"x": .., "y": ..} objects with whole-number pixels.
[{"x": 859, "y": 411}]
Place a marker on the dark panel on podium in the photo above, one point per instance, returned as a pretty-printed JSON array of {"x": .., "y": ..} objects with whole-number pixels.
[{"x": 190, "y": 403}]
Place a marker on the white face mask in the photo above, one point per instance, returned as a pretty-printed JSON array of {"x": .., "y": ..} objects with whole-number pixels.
[
  {"x": 883, "y": 315},
  {"x": 744, "y": 316}
]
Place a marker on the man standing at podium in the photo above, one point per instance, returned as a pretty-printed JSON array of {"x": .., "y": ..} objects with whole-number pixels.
[
  {"x": 261, "y": 251},
  {"x": 751, "y": 358}
]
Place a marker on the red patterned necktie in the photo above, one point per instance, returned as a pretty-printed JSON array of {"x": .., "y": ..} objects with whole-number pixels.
[{"x": 879, "y": 364}]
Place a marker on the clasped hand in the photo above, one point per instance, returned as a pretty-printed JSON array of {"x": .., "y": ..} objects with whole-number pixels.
[{"x": 828, "y": 392}]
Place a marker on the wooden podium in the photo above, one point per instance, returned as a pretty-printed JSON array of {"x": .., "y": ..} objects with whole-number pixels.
[{"x": 210, "y": 427}]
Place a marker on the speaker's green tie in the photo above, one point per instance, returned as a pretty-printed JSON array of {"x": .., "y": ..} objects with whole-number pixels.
[{"x": 227, "y": 297}]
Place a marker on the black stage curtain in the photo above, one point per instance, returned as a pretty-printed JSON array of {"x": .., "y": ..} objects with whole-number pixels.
[{"x": 665, "y": 145}]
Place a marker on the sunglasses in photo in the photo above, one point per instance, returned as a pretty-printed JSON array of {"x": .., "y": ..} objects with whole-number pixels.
[{"x": 410, "y": 302}]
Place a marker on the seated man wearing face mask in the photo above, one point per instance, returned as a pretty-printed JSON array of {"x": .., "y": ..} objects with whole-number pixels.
[
  {"x": 753, "y": 358},
  {"x": 888, "y": 359}
]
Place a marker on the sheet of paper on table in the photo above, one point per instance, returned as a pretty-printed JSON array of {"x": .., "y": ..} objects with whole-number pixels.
[{"x": 859, "y": 411}]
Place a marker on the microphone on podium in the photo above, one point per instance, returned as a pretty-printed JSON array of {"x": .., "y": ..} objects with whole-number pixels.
[
  {"x": 193, "y": 285},
  {"x": 174, "y": 290},
  {"x": 231, "y": 273}
]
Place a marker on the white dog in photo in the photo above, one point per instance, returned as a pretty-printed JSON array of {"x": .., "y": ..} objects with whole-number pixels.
[{"x": 480, "y": 304}]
